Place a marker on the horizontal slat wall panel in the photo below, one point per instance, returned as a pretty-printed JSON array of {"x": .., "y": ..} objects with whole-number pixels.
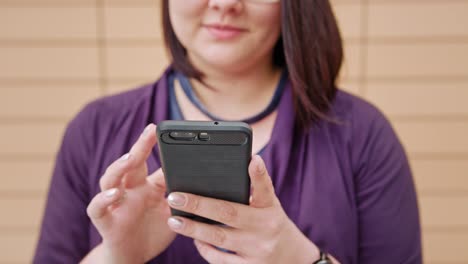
[
  {"x": 25, "y": 176},
  {"x": 340, "y": 2},
  {"x": 143, "y": 62},
  {"x": 352, "y": 63},
  {"x": 426, "y": 60},
  {"x": 349, "y": 19},
  {"x": 128, "y": 2},
  {"x": 20, "y": 213},
  {"x": 44, "y": 101},
  {"x": 17, "y": 247},
  {"x": 35, "y": 3},
  {"x": 121, "y": 86},
  {"x": 413, "y": 19},
  {"x": 407, "y": 57},
  {"x": 49, "y": 68},
  {"x": 121, "y": 23},
  {"x": 444, "y": 212},
  {"x": 30, "y": 138},
  {"x": 445, "y": 247},
  {"x": 48, "y": 63},
  {"x": 433, "y": 98},
  {"x": 441, "y": 137},
  {"x": 352, "y": 86},
  {"x": 370, "y": 2},
  {"x": 49, "y": 23},
  {"x": 441, "y": 176}
]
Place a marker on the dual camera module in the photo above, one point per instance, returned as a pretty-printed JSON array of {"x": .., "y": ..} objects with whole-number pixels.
[{"x": 189, "y": 136}]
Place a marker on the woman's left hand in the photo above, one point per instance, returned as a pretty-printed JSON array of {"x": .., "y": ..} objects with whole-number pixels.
[{"x": 258, "y": 233}]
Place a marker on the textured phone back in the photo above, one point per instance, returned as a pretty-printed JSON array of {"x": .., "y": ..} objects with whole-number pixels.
[{"x": 216, "y": 168}]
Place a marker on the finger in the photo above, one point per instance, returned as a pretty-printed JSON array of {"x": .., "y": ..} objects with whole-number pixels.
[
  {"x": 229, "y": 213},
  {"x": 217, "y": 235},
  {"x": 145, "y": 143},
  {"x": 98, "y": 208},
  {"x": 264, "y": 192},
  {"x": 131, "y": 161},
  {"x": 112, "y": 178},
  {"x": 214, "y": 255},
  {"x": 140, "y": 152},
  {"x": 157, "y": 179}
]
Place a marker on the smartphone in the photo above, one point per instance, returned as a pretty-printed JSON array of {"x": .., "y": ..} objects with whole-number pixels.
[{"x": 207, "y": 158}]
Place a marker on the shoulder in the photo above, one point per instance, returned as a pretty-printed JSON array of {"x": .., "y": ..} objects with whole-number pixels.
[
  {"x": 103, "y": 112},
  {"x": 356, "y": 110},
  {"x": 137, "y": 103},
  {"x": 363, "y": 130},
  {"x": 105, "y": 115},
  {"x": 357, "y": 116},
  {"x": 120, "y": 104}
]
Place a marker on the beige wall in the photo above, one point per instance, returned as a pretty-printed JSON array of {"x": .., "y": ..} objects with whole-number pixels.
[{"x": 408, "y": 57}]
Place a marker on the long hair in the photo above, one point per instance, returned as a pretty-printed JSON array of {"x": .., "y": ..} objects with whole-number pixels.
[{"x": 310, "y": 47}]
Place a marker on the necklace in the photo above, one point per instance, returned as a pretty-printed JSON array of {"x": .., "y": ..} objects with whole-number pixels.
[{"x": 190, "y": 93}]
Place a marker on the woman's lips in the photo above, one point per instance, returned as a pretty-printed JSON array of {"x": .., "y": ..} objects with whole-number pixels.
[{"x": 224, "y": 32}]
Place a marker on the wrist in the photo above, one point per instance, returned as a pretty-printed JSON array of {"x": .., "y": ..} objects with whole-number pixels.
[
  {"x": 116, "y": 256},
  {"x": 305, "y": 251},
  {"x": 311, "y": 252}
]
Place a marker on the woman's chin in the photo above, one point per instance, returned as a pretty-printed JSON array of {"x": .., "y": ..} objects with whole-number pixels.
[
  {"x": 227, "y": 64},
  {"x": 229, "y": 67}
]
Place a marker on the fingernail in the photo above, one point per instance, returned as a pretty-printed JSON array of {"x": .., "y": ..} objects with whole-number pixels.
[
  {"x": 176, "y": 199},
  {"x": 125, "y": 157},
  {"x": 175, "y": 223},
  {"x": 111, "y": 192},
  {"x": 147, "y": 130}
]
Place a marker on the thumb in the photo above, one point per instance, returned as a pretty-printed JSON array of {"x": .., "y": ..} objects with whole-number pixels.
[
  {"x": 98, "y": 210},
  {"x": 263, "y": 191}
]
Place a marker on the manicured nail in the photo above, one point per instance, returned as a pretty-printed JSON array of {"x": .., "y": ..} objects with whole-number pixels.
[
  {"x": 147, "y": 130},
  {"x": 175, "y": 223},
  {"x": 125, "y": 157},
  {"x": 176, "y": 199},
  {"x": 111, "y": 192}
]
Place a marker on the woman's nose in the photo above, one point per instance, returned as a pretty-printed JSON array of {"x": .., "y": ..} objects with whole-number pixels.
[{"x": 226, "y": 6}]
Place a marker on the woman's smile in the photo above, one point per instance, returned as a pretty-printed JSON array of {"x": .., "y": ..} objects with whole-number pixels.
[{"x": 224, "y": 32}]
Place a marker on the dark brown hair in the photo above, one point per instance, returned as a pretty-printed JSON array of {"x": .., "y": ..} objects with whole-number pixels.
[{"x": 310, "y": 47}]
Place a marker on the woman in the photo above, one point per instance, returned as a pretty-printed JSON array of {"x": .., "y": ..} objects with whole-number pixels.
[{"x": 331, "y": 183}]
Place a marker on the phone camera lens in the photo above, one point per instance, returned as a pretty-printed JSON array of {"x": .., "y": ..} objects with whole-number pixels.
[{"x": 182, "y": 135}]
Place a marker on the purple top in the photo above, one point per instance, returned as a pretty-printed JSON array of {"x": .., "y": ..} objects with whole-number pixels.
[{"x": 347, "y": 186}]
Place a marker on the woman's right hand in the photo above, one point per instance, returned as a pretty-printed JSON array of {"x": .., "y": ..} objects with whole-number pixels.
[{"x": 131, "y": 211}]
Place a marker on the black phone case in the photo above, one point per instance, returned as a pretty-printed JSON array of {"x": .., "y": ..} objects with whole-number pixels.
[{"x": 212, "y": 161}]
